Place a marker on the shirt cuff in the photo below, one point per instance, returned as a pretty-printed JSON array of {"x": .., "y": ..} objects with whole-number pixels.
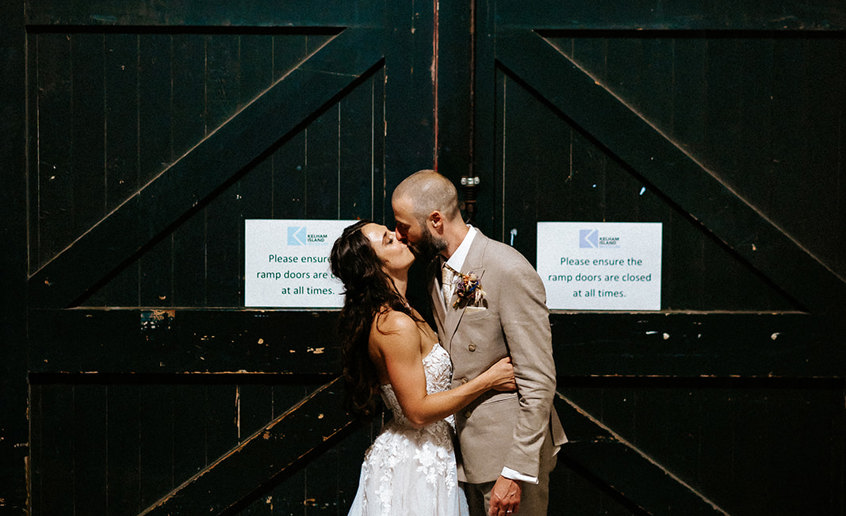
[{"x": 516, "y": 475}]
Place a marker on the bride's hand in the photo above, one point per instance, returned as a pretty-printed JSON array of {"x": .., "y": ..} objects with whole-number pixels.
[{"x": 502, "y": 375}]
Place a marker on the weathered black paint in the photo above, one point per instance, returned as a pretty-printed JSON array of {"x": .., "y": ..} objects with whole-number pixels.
[
  {"x": 148, "y": 134},
  {"x": 714, "y": 120}
]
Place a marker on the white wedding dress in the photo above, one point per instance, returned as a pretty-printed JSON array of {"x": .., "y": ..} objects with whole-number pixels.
[{"x": 411, "y": 471}]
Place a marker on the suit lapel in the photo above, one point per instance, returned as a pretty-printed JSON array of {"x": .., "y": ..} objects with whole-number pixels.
[{"x": 473, "y": 263}]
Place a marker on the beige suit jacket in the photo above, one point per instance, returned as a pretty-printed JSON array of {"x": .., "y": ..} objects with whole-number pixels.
[{"x": 501, "y": 429}]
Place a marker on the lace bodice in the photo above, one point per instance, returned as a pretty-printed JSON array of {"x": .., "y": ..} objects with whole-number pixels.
[{"x": 438, "y": 369}]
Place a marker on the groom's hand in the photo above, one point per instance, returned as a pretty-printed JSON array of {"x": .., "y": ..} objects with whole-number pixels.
[{"x": 505, "y": 497}]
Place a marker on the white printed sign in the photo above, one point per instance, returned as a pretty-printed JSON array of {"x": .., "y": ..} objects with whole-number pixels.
[
  {"x": 286, "y": 263},
  {"x": 600, "y": 265}
]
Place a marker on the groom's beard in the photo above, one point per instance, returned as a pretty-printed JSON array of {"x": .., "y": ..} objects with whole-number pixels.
[{"x": 428, "y": 247}]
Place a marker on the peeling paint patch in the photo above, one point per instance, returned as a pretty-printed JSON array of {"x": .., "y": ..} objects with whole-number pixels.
[{"x": 157, "y": 319}]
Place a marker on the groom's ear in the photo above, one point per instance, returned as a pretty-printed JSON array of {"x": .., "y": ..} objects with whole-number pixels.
[{"x": 436, "y": 220}]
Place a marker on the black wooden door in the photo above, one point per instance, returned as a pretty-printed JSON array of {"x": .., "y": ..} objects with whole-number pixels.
[
  {"x": 142, "y": 135},
  {"x": 153, "y": 132},
  {"x": 724, "y": 122}
]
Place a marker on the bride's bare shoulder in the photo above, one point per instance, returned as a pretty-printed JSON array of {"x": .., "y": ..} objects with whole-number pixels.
[{"x": 389, "y": 321}]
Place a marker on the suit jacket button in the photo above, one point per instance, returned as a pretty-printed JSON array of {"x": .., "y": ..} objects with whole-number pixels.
[
  {"x": 466, "y": 414},
  {"x": 472, "y": 347}
]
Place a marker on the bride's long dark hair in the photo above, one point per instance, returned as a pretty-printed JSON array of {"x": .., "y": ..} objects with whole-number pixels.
[{"x": 368, "y": 291}]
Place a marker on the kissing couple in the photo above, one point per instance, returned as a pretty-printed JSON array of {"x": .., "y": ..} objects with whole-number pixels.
[{"x": 485, "y": 379}]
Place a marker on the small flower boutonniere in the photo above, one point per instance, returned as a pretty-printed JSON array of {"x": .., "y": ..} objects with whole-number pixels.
[{"x": 468, "y": 289}]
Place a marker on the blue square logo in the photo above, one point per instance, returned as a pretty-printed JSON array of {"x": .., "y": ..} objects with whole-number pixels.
[
  {"x": 296, "y": 235},
  {"x": 588, "y": 238}
]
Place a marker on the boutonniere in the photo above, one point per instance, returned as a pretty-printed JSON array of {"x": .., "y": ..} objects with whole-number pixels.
[{"x": 468, "y": 289}]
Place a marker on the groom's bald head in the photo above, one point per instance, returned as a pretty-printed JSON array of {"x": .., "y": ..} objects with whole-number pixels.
[{"x": 426, "y": 191}]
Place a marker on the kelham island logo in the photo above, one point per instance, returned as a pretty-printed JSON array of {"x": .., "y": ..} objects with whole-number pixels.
[
  {"x": 591, "y": 239},
  {"x": 298, "y": 235}
]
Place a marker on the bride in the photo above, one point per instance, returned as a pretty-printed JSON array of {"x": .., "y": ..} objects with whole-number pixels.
[{"x": 389, "y": 349}]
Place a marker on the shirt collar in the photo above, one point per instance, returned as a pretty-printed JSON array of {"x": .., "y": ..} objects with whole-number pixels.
[{"x": 456, "y": 261}]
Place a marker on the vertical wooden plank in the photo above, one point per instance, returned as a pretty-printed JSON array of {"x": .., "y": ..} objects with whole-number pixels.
[
  {"x": 189, "y": 264},
  {"x": 746, "y": 76},
  {"x": 189, "y": 431},
  {"x": 221, "y": 420},
  {"x": 90, "y": 441},
  {"x": 54, "y": 180},
  {"x": 121, "y": 117},
  {"x": 625, "y": 60},
  {"x": 155, "y": 117},
  {"x": 156, "y": 278},
  {"x": 155, "y": 104},
  {"x": 532, "y": 141},
  {"x": 188, "y": 58},
  {"x": 658, "y": 81},
  {"x": 289, "y": 162},
  {"x": 357, "y": 132},
  {"x": 810, "y": 186},
  {"x": 36, "y": 443},
  {"x": 223, "y": 93},
  {"x": 16, "y": 125},
  {"x": 256, "y": 66},
  {"x": 255, "y": 189},
  {"x": 188, "y": 128},
  {"x": 519, "y": 182},
  {"x": 224, "y": 237},
  {"x": 124, "y": 475},
  {"x": 589, "y": 165},
  {"x": 289, "y": 178},
  {"x": 31, "y": 253},
  {"x": 122, "y": 159},
  {"x": 222, "y": 81},
  {"x": 486, "y": 120},
  {"x": 155, "y": 441},
  {"x": 498, "y": 211},
  {"x": 689, "y": 93},
  {"x": 381, "y": 200},
  {"x": 455, "y": 32},
  {"x": 685, "y": 252},
  {"x": 724, "y": 142},
  {"x": 57, "y": 450},
  {"x": 322, "y": 171},
  {"x": 409, "y": 92},
  {"x": 89, "y": 189}
]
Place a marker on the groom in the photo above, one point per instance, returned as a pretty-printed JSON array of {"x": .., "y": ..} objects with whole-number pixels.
[{"x": 488, "y": 302}]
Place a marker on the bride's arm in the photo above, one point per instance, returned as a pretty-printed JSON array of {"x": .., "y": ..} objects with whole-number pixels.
[{"x": 397, "y": 341}]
